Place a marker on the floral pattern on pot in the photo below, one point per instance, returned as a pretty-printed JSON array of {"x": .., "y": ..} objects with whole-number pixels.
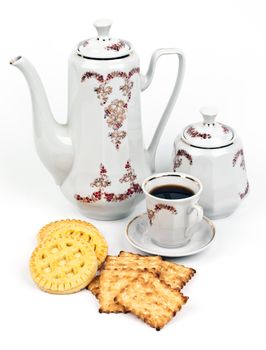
[
  {"x": 152, "y": 212},
  {"x": 116, "y": 46},
  {"x": 239, "y": 154},
  {"x": 180, "y": 154},
  {"x": 194, "y": 133},
  {"x": 243, "y": 194},
  {"x": 117, "y": 136},
  {"x": 103, "y": 93},
  {"x": 102, "y": 182},
  {"x": 115, "y": 112}
]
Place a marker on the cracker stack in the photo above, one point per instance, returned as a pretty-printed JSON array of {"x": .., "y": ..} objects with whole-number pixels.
[
  {"x": 70, "y": 252},
  {"x": 147, "y": 286}
]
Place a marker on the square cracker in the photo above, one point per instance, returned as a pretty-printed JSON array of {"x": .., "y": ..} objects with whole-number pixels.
[
  {"x": 94, "y": 286},
  {"x": 111, "y": 283},
  {"x": 117, "y": 273},
  {"x": 151, "y": 300},
  {"x": 133, "y": 262},
  {"x": 175, "y": 275}
]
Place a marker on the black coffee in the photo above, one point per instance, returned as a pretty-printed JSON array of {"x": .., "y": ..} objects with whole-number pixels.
[{"x": 171, "y": 192}]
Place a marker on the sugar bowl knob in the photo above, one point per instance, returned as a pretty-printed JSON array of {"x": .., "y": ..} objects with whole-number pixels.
[
  {"x": 209, "y": 114},
  {"x": 103, "y": 27}
]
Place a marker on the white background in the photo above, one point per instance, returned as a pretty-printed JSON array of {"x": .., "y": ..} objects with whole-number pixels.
[{"x": 225, "y": 47}]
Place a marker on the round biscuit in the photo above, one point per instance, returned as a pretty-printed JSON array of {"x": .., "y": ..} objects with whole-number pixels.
[{"x": 63, "y": 265}]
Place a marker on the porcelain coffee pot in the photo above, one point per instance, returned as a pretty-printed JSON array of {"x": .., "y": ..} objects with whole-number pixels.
[
  {"x": 98, "y": 157},
  {"x": 213, "y": 152}
]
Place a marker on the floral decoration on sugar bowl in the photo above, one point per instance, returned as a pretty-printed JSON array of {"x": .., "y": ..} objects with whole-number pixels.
[
  {"x": 225, "y": 128},
  {"x": 85, "y": 43},
  {"x": 195, "y": 133},
  {"x": 180, "y": 154},
  {"x": 115, "y": 112},
  {"x": 159, "y": 207},
  {"x": 116, "y": 46},
  {"x": 243, "y": 194},
  {"x": 102, "y": 182},
  {"x": 239, "y": 155}
]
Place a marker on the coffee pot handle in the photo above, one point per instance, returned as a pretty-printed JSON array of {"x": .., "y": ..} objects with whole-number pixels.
[{"x": 145, "y": 82}]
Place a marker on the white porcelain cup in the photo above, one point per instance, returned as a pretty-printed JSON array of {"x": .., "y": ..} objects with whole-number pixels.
[{"x": 171, "y": 221}]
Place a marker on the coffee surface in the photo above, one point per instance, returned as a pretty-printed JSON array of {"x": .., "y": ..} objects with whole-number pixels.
[{"x": 171, "y": 192}]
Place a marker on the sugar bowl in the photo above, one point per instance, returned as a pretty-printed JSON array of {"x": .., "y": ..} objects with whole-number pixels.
[{"x": 213, "y": 152}]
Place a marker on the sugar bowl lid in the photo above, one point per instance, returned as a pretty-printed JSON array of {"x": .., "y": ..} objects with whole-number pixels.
[
  {"x": 103, "y": 46},
  {"x": 208, "y": 134}
]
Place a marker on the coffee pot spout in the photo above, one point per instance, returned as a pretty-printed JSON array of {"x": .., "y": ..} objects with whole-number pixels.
[{"x": 52, "y": 139}]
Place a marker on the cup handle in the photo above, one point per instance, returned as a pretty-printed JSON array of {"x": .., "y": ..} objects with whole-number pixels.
[{"x": 195, "y": 215}]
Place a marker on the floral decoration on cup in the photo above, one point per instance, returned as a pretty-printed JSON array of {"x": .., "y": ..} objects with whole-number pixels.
[{"x": 157, "y": 208}]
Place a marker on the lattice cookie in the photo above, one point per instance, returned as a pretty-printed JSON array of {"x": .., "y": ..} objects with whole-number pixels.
[
  {"x": 63, "y": 266},
  {"x": 80, "y": 230}
]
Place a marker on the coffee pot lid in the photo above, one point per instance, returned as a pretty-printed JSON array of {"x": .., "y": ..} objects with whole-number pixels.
[
  {"x": 103, "y": 46},
  {"x": 208, "y": 134}
]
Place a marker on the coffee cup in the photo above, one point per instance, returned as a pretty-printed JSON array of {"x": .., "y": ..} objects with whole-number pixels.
[{"x": 172, "y": 207}]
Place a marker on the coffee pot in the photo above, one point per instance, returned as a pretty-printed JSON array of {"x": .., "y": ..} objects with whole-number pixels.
[
  {"x": 213, "y": 152},
  {"x": 98, "y": 157}
]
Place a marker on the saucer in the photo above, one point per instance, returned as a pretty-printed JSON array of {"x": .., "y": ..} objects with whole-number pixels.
[{"x": 137, "y": 234}]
